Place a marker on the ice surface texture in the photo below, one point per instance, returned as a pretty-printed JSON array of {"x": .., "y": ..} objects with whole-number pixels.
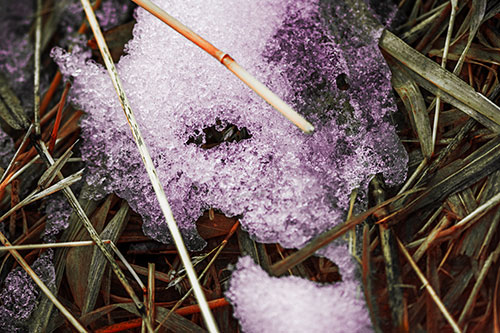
[
  {"x": 16, "y": 50},
  {"x": 292, "y": 304},
  {"x": 19, "y": 295},
  {"x": 320, "y": 56},
  {"x": 58, "y": 212}
]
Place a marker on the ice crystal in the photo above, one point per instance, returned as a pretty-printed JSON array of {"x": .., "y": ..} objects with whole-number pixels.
[
  {"x": 58, "y": 211},
  {"x": 320, "y": 56},
  {"x": 15, "y": 47},
  {"x": 19, "y": 296},
  {"x": 292, "y": 304}
]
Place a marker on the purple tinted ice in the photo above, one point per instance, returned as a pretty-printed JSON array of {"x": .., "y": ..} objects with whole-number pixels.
[
  {"x": 291, "y": 304},
  {"x": 58, "y": 211},
  {"x": 320, "y": 56},
  {"x": 19, "y": 295}
]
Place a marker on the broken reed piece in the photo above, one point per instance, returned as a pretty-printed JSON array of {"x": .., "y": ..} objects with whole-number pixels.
[
  {"x": 225, "y": 59},
  {"x": 51, "y": 245},
  {"x": 153, "y": 175},
  {"x": 454, "y": 7}
]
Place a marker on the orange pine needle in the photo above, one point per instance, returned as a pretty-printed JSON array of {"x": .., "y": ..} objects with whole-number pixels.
[
  {"x": 50, "y": 93},
  {"x": 121, "y": 327},
  {"x": 57, "y": 123},
  {"x": 192, "y": 309},
  {"x": 185, "y": 311}
]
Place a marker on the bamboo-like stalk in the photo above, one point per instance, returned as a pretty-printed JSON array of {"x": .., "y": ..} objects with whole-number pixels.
[
  {"x": 51, "y": 245},
  {"x": 409, "y": 182},
  {"x": 73, "y": 201},
  {"x": 151, "y": 170},
  {"x": 36, "y": 76},
  {"x": 327, "y": 237},
  {"x": 41, "y": 284},
  {"x": 151, "y": 292},
  {"x": 210, "y": 263},
  {"x": 127, "y": 265},
  {"x": 453, "y": 14},
  {"x": 225, "y": 59},
  {"x": 428, "y": 287},
  {"x": 64, "y": 183}
]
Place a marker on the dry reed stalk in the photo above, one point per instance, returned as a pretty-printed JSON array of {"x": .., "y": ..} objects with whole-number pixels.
[
  {"x": 453, "y": 14},
  {"x": 73, "y": 201},
  {"x": 16, "y": 154},
  {"x": 216, "y": 255},
  {"x": 51, "y": 245},
  {"x": 151, "y": 292},
  {"x": 36, "y": 77},
  {"x": 430, "y": 290},
  {"x": 151, "y": 170}
]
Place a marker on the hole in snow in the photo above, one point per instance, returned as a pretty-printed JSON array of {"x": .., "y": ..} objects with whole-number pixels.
[
  {"x": 341, "y": 81},
  {"x": 212, "y": 136}
]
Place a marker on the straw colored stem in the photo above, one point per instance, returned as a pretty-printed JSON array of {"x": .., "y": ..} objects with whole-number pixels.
[
  {"x": 151, "y": 170},
  {"x": 73, "y": 201},
  {"x": 18, "y": 151},
  {"x": 429, "y": 288},
  {"x": 38, "y": 195},
  {"x": 41, "y": 285},
  {"x": 467, "y": 221},
  {"x": 127, "y": 265},
  {"x": 16, "y": 174},
  {"x": 443, "y": 65},
  {"x": 264, "y": 92},
  {"x": 151, "y": 292},
  {"x": 50, "y": 245},
  {"x": 36, "y": 83},
  {"x": 413, "y": 177},
  {"x": 219, "y": 250},
  {"x": 326, "y": 238},
  {"x": 475, "y": 290}
]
